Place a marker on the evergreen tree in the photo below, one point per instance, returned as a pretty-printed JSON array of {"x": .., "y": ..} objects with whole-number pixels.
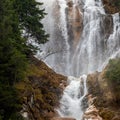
[
  {"x": 16, "y": 16},
  {"x": 30, "y": 16}
]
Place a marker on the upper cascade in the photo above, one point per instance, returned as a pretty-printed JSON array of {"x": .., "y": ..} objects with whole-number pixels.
[{"x": 82, "y": 36}]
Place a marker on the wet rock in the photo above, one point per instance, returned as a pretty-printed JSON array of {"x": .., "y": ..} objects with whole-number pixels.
[
  {"x": 70, "y": 3},
  {"x": 74, "y": 20},
  {"x": 91, "y": 113},
  {"x": 59, "y": 118}
]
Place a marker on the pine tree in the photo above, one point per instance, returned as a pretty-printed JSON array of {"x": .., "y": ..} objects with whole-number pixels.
[
  {"x": 16, "y": 16},
  {"x": 30, "y": 16}
]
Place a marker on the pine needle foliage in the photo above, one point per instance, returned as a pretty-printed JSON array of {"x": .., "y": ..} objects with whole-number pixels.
[{"x": 17, "y": 16}]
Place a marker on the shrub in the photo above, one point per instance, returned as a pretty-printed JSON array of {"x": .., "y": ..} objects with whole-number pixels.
[{"x": 113, "y": 77}]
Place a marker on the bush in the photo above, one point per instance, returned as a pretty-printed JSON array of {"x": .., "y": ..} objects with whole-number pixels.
[
  {"x": 113, "y": 76},
  {"x": 113, "y": 71},
  {"x": 9, "y": 103}
]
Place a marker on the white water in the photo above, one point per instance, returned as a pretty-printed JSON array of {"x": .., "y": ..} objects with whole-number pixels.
[
  {"x": 89, "y": 51},
  {"x": 94, "y": 49},
  {"x": 113, "y": 42},
  {"x": 97, "y": 44},
  {"x": 72, "y": 98},
  {"x": 63, "y": 28}
]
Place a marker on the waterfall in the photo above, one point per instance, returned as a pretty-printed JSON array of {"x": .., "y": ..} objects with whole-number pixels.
[
  {"x": 72, "y": 98},
  {"x": 113, "y": 42},
  {"x": 63, "y": 27},
  {"x": 90, "y": 48},
  {"x": 99, "y": 41}
]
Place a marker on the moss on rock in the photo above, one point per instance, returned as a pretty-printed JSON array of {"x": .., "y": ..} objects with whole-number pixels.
[
  {"x": 99, "y": 86},
  {"x": 111, "y": 6}
]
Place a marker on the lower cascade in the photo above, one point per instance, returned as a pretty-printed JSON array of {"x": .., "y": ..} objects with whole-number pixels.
[
  {"x": 82, "y": 40},
  {"x": 71, "y": 102}
]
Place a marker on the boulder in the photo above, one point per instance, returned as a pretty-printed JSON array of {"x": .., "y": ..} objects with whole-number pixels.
[{"x": 91, "y": 114}]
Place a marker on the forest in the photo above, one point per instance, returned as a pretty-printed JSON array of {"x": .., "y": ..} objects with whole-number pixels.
[{"x": 19, "y": 21}]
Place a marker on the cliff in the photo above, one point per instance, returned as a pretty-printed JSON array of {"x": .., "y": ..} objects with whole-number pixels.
[
  {"x": 75, "y": 21},
  {"x": 106, "y": 101},
  {"x": 40, "y": 91}
]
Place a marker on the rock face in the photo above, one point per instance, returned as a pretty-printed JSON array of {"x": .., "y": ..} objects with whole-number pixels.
[
  {"x": 111, "y": 6},
  {"x": 105, "y": 101},
  {"x": 40, "y": 92},
  {"x": 91, "y": 113},
  {"x": 74, "y": 18},
  {"x": 74, "y": 21}
]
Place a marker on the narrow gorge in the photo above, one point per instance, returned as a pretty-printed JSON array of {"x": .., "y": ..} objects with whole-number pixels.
[{"x": 83, "y": 38}]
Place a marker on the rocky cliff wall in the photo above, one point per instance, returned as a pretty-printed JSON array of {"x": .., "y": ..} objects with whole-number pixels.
[
  {"x": 41, "y": 91},
  {"x": 105, "y": 101}
]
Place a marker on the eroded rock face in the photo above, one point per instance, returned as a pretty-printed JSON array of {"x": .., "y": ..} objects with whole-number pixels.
[
  {"x": 74, "y": 21},
  {"x": 74, "y": 18},
  {"x": 105, "y": 101},
  {"x": 91, "y": 113},
  {"x": 98, "y": 86},
  {"x": 41, "y": 92}
]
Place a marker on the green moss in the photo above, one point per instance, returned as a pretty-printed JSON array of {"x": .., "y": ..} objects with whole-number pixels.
[
  {"x": 112, "y": 6},
  {"x": 113, "y": 76}
]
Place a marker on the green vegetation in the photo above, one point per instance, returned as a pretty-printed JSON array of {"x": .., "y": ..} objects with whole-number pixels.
[
  {"x": 113, "y": 76},
  {"x": 44, "y": 84},
  {"x": 30, "y": 16},
  {"x": 17, "y": 16},
  {"x": 116, "y": 3},
  {"x": 112, "y": 6}
]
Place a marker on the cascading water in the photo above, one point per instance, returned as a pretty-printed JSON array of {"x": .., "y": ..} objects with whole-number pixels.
[
  {"x": 63, "y": 27},
  {"x": 72, "y": 98},
  {"x": 113, "y": 42},
  {"x": 98, "y": 42},
  {"x": 90, "y": 48}
]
